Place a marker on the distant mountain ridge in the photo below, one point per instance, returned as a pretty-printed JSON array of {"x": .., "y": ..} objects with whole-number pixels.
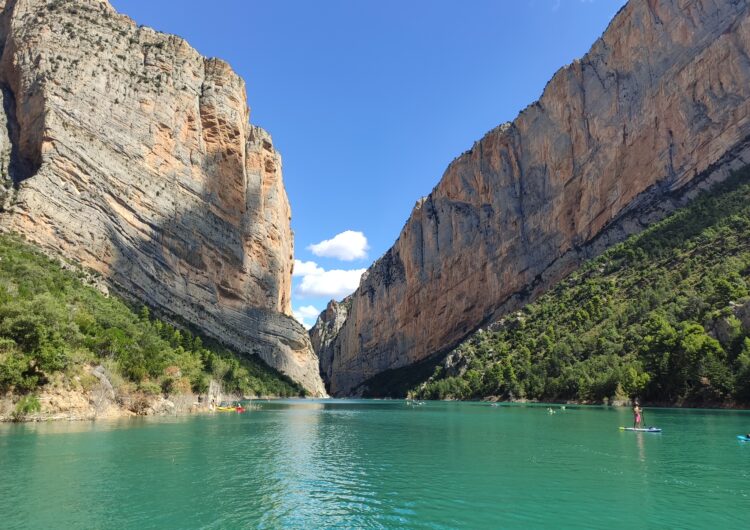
[
  {"x": 127, "y": 151},
  {"x": 655, "y": 111}
]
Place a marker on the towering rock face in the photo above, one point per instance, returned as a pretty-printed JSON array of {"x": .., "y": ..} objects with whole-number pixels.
[
  {"x": 128, "y": 152},
  {"x": 659, "y": 106},
  {"x": 325, "y": 332}
]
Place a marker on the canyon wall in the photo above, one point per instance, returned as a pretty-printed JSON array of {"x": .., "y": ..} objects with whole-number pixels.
[
  {"x": 126, "y": 151},
  {"x": 656, "y": 109}
]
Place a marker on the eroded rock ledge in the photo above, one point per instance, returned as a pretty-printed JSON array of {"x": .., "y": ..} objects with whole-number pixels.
[{"x": 127, "y": 151}]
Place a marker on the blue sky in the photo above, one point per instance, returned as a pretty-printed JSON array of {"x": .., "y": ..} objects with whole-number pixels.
[{"x": 369, "y": 100}]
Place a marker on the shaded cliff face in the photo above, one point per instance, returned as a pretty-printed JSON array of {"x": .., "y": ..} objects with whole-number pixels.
[
  {"x": 133, "y": 155},
  {"x": 324, "y": 333},
  {"x": 657, "y": 107}
]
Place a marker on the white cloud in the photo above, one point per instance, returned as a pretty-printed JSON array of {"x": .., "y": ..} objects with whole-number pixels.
[
  {"x": 306, "y": 315},
  {"x": 316, "y": 281},
  {"x": 304, "y": 268},
  {"x": 347, "y": 246},
  {"x": 308, "y": 311},
  {"x": 335, "y": 283}
]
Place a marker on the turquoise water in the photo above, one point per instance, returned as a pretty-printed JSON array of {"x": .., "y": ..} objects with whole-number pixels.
[{"x": 380, "y": 464}]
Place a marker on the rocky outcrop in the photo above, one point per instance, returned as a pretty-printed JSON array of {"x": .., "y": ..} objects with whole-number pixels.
[
  {"x": 736, "y": 319},
  {"x": 90, "y": 395},
  {"x": 658, "y": 108},
  {"x": 133, "y": 155},
  {"x": 742, "y": 313},
  {"x": 324, "y": 332}
]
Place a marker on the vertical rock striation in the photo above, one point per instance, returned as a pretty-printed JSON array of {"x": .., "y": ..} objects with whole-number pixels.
[
  {"x": 323, "y": 334},
  {"x": 130, "y": 153},
  {"x": 657, "y": 108}
]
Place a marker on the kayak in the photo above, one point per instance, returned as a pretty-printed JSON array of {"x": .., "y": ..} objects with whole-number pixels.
[
  {"x": 230, "y": 409},
  {"x": 743, "y": 438},
  {"x": 650, "y": 429}
]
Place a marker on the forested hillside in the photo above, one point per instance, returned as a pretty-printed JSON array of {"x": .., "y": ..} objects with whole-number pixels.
[
  {"x": 664, "y": 316},
  {"x": 52, "y": 323}
]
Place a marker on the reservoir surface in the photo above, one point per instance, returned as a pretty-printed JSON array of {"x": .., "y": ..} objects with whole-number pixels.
[{"x": 380, "y": 464}]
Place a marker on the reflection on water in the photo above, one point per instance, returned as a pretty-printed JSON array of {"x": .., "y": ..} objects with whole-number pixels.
[
  {"x": 641, "y": 446},
  {"x": 311, "y": 464},
  {"x": 317, "y": 478},
  {"x": 100, "y": 425}
]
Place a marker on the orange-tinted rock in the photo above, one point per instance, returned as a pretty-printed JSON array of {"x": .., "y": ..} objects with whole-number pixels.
[
  {"x": 135, "y": 157},
  {"x": 659, "y": 105}
]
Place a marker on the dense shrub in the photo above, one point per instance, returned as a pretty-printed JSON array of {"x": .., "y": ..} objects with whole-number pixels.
[
  {"x": 51, "y": 322},
  {"x": 640, "y": 320},
  {"x": 26, "y": 405}
]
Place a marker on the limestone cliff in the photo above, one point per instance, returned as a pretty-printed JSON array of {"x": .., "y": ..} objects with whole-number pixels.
[
  {"x": 128, "y": 152},
  {"x": 658, "y": 107},
  {"x": 323, "y": 334}
]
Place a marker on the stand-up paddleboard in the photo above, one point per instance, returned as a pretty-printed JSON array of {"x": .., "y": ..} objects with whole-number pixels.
[
  {"x": 649, "y": 429},
  {"x": 743, "y": 438}
]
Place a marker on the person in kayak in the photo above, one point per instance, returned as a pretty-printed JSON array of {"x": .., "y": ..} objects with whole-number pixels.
[{"x": 637, "y": 415}]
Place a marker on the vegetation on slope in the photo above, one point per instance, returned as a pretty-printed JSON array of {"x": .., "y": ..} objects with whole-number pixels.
[
  {"x": 52, "y": 323},
  {"x": 654, "y": 317}
]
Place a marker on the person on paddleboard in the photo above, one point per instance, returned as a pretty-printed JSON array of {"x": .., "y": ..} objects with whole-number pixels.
[{"x": 637, "y": 415}]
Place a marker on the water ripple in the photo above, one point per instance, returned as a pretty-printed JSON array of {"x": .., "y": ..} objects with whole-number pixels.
[{"x": 355, "y": 464}]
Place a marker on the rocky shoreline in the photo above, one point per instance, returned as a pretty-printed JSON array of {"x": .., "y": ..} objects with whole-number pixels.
[{"x": 92, "y": 396}]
